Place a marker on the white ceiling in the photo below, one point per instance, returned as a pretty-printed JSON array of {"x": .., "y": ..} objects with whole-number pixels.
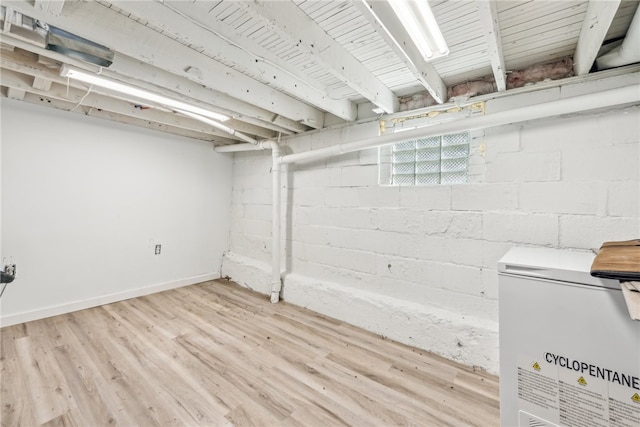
[{"x": 287, "y": 67}]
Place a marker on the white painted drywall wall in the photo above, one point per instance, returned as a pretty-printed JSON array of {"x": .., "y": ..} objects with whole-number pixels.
[
  {"x": 418, "y": 264},
  {"x": 84, "y": 202}
]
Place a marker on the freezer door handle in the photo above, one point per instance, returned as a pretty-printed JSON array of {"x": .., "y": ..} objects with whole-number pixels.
[{"x": 526, "y": 271}]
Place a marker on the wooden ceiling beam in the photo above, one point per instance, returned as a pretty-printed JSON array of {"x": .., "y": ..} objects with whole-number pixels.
[
  {"x": 96, "y": 22},
  {"x": 53, "y": 7},
  {"x": 179, "y": 18},
  {"x": 491, "y": 26},
  {"x": 397, "y": 38},
  {"x": 156, "y": 79},
  {"x": 595, "y": 26},
  {"x": 290, "y": 22},
  {"x": 19, "y": 84}
]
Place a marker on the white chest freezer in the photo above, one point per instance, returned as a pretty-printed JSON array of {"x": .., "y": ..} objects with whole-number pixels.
[{"x": 569, "y": 351}]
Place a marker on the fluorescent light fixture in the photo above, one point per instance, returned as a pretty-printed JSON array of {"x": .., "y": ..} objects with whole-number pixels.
[
  {"x": 418, "y": 20},
  {"x": 137, "y": 93}
]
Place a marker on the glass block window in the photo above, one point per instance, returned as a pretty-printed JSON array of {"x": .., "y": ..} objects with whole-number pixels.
[{"x": 436, "y": 160}]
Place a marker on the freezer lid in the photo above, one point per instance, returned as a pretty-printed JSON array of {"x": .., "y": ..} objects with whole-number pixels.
[{"x": 553, "y": 264}]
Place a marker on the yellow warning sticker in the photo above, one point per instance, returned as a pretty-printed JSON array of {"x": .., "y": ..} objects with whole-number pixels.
[
  {"x": 582, "y": 381},
  {"x": 636, "y": 398},
  {"x": 536, "y": 366}
]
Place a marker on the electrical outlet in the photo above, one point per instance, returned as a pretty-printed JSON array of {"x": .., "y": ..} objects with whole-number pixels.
[
  {"x": 10, "y": 269},
  {"x": 158, "y": 249}
]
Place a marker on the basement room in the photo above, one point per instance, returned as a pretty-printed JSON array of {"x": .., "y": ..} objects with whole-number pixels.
[{"x": 319, "y": 213}]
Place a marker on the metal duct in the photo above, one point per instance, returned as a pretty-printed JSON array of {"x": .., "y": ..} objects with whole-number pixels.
[
  {"x": 77, "y": 47},
  {"x": 628, "y": 52}
]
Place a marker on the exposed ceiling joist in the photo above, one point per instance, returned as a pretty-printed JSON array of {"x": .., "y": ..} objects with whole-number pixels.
[
  {"x": 19, "y": 62},
  {"x": 396, "y": 36},
  {"x": 109, "y": 115},
  {"x": 491, "y": 26},
  {"x": 97, "y": 23},
  {"x": 158, "y": 78},
  {"x": 76, "y": 97},
  {"x": 202, "y": 38},
  {"x": 287, "y": 20},
  {"x": 41, "y": 83},
  {"x": 54, "y": 7},
  {"x": 16, "y": 93},
  {"x": 595, "y": 25}
]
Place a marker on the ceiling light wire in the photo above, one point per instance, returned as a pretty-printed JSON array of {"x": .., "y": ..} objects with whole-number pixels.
[{"x": 82, "y": 99}]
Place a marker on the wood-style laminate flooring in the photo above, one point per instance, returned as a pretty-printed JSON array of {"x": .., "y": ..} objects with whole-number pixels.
[{"x": 216, "y": 354}]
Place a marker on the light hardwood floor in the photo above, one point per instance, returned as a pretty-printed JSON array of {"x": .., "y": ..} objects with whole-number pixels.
[{"x": 216, "y": 354}]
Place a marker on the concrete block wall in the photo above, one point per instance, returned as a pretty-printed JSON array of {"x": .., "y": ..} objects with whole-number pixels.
[{"x": 418, "y": 264}]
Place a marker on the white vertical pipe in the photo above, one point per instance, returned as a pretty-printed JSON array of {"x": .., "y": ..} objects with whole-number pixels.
[
  {"x": 276, "y": 213},
  {"x": 276, "y": 281}
]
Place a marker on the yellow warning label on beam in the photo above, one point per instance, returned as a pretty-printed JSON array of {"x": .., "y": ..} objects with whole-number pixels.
[
  {"x": 636, "y": 398},
  {"x": 536, "y": 366},
  {"x": 582, "y": 381}
]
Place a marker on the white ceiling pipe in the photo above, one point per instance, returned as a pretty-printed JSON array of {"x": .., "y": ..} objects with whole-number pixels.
[
  {"x": 628, "y": 52},
  {"x": 610, "y": 98}
]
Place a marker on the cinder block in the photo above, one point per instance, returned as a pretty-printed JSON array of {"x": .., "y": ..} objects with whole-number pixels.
[
  {"x": 531, "y": 229},
  {"x": 254, "y": 211},
  {"x": 349, "y": 259},
  {"x": 356, "y": 218},
  {"x": 467, "y": 252},
  {"x": 304, "y": 197},
  {"x": 501, "y": 139},
  {"x": 482, "y": 197},
  {"x": 490, "y": 283},
  {"x": 310, "y": 234},
  {"x": 254, "y": 227},
  {"x": 437, "y": 222},
  {"x": 421, "y": 247},
  {"x": 341, "y": 197},
  {"x": 373, "y": 241},
  {"x": 524, "y": 167},
  {"x": 453, "y": 277},
  {"x": 589, "y": 232},
  {"x": 624, "y": 198},
  {"x": 406, "y": 269},
  {"x": 377, "y": 196},
  {"x": 582, "y": 133},
  {"x": 560, "y": 197},
  {"x": 619, "y": 162},
  {"x": 426, "y": 197},
  {"x": 316, "y": 215},
  {"x": 465, "y": 225},
  {"x": 254, "y": 247},
  {"x": 312, "y": 178},
  {"x": 359, "y": 176},
  {"x": 400, "y": 220}
]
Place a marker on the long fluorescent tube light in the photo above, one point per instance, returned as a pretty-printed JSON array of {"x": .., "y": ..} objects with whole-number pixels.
[
  {"x": 220, "y": 126},
  {"x": 136, "y": 93},
  {"x": 417, "y": 18}
]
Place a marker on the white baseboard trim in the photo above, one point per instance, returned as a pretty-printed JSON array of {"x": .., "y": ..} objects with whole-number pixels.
[
  {"x": 41, "y": 313},
  {"x": 466, "y": 339}
]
